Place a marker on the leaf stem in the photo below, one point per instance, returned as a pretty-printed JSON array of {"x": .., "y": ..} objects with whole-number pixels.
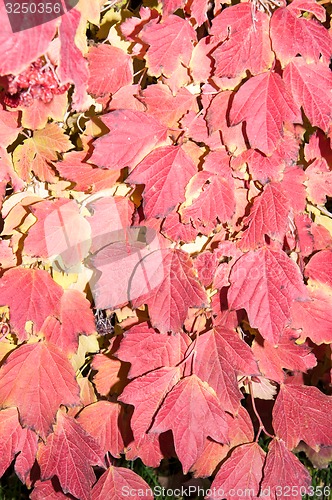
[{"x": 261, "y": 425}]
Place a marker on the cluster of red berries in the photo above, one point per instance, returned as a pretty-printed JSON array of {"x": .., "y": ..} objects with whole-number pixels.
[{"x": 38, "y": 81}]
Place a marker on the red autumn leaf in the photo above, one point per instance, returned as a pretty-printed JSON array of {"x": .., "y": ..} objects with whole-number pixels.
[
  {"x": 213, "y": 199},
  {"x": 310, "y": 86},
  {"x": 292, "y": 35},
  {"x": 147, "y": 393},
  {"x": 303, "y": 413},
  {"x": 193, "y": 412},
  {"x": 148, "y": 350},
  {"x": 27, "y": 381},
  {"x": 122, "y": 270},
  {"x": 264, "y": 103},
  {"x": 69, "y": 453},
  {"x": 240, "y": 431},
  {"x": 27, "y": 456},
  {"x": 110, "y": 69},
  {"x": 48, "y": 490},
  {"x": 174, "y": 228},
  {"x": 107, "y": 376},
  {"x": 36, "y": 116},
  {"x": 7, "y": 257},
  {"x": 109, "y": 217},
  {"x": 31, "y": 295},
  {"x": 217, "y": 119},
  {"x": 85, "y": 176},
  {"x": 291, "y": 473},
  {"x": 312, "y": 318},
  {"x": 11, "y": 437},
  {"x": 220, "y": 356},
  {"x": 101, "y": 420},
  {"x": 73, "y": 67},
  {"x": 176, "y": 290},
  {"x": 9, "y": 127},
  {"x": 287, "y": 354},
  {"x": 264, "y": 283},
  {"x": 170, "y": 45},
  {"x": 268, "y": 217},
  {"x": 319, "y": 267},
  {"x": 75, "y": 318},
  {"x": 246, "y": 44},
  {"x": 166, "y": 107},
  {"x": 132, "y": 135},
  {"x": 165, "y": 173},
  {"x": 60, "y": 232},
  {"x": 242, "y": 471},
  {"x": 23, "y": 47},
  {"x": 116, "y": 482},
  {"x": 319, "y": 183}
]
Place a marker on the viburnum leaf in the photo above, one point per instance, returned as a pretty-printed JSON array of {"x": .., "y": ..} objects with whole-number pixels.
[
  {"x": 166, "y": 107},
  {"x": 75, "y": 318},
  {"x": 27, "y": 456},
  {"x": 110, "y": 216},
  {"x": 170, "y": 44},
  {"x": 147, "y": 393},
  {"x": 11, "y": 437},
  {"x": 212, "y": 196},
  {"x": 220, "y": 356},
  {"x": 290, "y": 472},
  {"x": 73, "y": 67},
  {"x": 246, "y": 43},
  {"x": 303, "y": 413},
  {"x": 165, "y": 173},
  {"x": 7, "y": 257},
  {"x": 132, "y": 135},
  {"x": 319, "y": 266},
  {"x": 287, "y": 354},
  {"x": 101, "y": 420},
  {"x": 319, "y": 183},
  {"x": 193, "y": 412},
  {"x": 86, "y": 177},
  {"x": 31, "y": 295},
  {"x": 107, "y": 376},
  {"x": 268, "y": 216},
  {"x": 23, "y": 47},
  {"x": 117, "y": 481},
  {"x": 264, "y": 103},
  {"x": 48, "y": 490},
  {"x": 312, "y": 318},
  {"x": 27, "y": 381},
  {"x": 292, "y": 35},
  {"x": 242, "y": 471},
  {"x": 69, "y": 453},
  {"x": 311, "y": 86},
  {"x": 264, "y": 283},
  {"x": 9, "y": 127},
  {"x": 60, "y": 232},
  {"x": 37, "y": 153},
  {"x": 110, "y": 69},
  {"x": 148, "y": 350},
  {"x": 36, "y": 116},
  {"x": 175, "y": 291},
  {"x": 123, "y": 264},
  {"x": 240, "y": 431}
]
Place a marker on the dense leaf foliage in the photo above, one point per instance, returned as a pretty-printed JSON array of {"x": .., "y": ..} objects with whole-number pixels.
[{"x": 166, "y": 249}]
